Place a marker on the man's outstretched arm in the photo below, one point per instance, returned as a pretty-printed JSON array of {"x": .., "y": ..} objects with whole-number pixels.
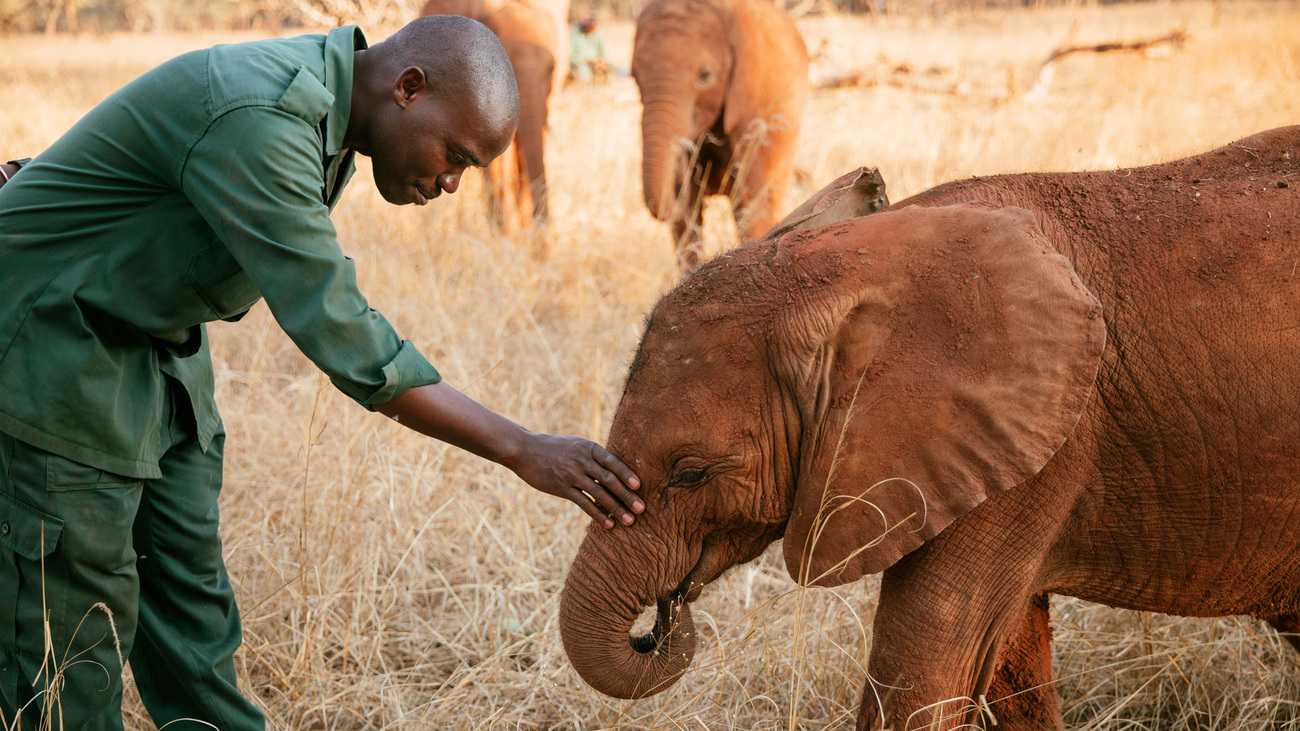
[
  {"x": 255, "y": 179},
  {"x": 569, "y": 467}
]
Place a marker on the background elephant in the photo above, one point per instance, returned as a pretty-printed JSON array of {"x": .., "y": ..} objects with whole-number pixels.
[
  {"x": 722, "y": 84},
  {"x": 1001, "y": 388},
  {"x": 536, "y": 35}
]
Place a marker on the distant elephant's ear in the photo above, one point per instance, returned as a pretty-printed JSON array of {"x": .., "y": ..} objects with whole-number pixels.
[
  {"x": 960, "y": 349},
  {"x": 768, "y": 58}
]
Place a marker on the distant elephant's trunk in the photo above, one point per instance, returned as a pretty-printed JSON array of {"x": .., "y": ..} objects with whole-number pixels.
[
  {"x": 598, "y": 607},
  {"x": 665, "y": 123}
]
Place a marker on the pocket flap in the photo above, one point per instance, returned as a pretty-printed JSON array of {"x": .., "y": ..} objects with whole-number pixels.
[{"x": 20, "y": 529}]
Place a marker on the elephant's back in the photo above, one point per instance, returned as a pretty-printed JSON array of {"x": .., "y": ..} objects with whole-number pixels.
[
  {"x": 1212, "y": 236},
  {"x": 1192, "y": 443}
]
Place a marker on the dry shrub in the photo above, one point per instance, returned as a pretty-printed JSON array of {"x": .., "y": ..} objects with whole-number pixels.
[{"x": 388, "y": 581}]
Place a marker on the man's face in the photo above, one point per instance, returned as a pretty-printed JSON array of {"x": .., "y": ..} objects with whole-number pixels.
[{"x": 420, "y": 145}]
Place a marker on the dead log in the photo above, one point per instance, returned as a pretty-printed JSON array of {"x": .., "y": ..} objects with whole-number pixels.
[{"x": 1046, "y": 71}]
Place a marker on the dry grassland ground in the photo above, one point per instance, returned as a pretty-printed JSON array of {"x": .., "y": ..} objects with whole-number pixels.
[{"x": 387, "y": 581}]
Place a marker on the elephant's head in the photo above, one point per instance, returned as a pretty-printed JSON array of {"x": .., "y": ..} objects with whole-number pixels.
[
  {"x": 703, "y": 67},
  {"x": 852, "y": 389}
]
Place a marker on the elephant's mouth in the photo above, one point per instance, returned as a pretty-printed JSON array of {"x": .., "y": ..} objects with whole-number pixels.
[
  {"x": 668, "y": 613},
  {"x": 706, "y": 569},
  {"x": 669, "y": 605}
]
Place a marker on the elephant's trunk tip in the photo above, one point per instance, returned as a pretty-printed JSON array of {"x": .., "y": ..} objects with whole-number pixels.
[{"x": 616, "y": 663}]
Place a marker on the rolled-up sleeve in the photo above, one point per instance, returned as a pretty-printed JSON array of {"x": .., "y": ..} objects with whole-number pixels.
[{"x": 256, "y": 178}]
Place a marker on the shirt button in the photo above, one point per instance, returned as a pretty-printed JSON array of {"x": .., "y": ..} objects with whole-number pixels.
[{"x": 4, "y": 529}]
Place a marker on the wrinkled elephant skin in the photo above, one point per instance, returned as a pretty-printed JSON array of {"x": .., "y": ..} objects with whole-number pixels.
[
  {"x": 535, "y": 35},
  {"x": 1000, "y": 389},
  {"x": 723, "y": 84}
]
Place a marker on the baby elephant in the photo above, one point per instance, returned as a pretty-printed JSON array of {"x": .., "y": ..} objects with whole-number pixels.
[
  {"x": 1002, "y": 388},
  {"x": 722, "y": 84}
]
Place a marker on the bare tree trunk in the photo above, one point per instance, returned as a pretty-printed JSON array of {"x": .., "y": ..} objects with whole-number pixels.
[{"x": 70, "y": 10}]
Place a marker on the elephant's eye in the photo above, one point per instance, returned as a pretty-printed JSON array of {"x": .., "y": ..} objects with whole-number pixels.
[
  {"x": 705, "y": 76},
  {"x": 689, "y": 477}
]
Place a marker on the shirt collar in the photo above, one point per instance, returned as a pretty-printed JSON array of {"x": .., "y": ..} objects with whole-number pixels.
[{"x": 340, "y": 45}]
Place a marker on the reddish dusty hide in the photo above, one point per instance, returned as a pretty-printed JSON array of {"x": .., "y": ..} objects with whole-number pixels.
[{"x": 1002, "y": 388}]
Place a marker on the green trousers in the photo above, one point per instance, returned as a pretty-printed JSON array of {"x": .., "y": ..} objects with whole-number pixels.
[{"x": 122, "y": 570}]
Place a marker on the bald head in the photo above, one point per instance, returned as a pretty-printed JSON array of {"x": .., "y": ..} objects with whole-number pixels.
[
  {"x": 435, "y": 98},
  {"x": 462, "y": 60}
]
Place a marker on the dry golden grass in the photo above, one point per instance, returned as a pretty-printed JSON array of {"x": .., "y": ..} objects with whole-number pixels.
[{"x": 388, "y": 581}]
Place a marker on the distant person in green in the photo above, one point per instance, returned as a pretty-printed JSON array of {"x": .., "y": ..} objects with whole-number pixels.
[
  {"x": 185, "y": 197},
  {"x": 588, "y": 61}
]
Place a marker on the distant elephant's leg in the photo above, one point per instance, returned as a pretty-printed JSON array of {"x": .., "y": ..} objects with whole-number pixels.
[
  {"x": 754, "y": 213},
  {"x": 1289, "y": 626},
  {"x": 1022, "y": 695},
  {"x": 522, "y": 213},
  {"x": 686, "y": 237},
  {"x": 763, "y": 174},
  {"x": 688, "y": 224},
  {"x": 533, "y": 175},
  {"x": 939, "y": 630},
  {"x": 502, "y": 195},
  {"x": 531, "y": 136}
]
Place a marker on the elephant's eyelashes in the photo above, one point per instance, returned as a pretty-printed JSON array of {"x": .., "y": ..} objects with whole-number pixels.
[
  {"x": 689, "y": 472},
  {"x": 689, "y": 477},
  {"x": 693, "y": 470}
]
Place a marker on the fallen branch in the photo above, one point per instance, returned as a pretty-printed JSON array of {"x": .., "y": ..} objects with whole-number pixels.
[
  {"x": 900, "y": 77},
  {"x": 1046, "y": 71},
  {"x": 1177, "y": 37}
]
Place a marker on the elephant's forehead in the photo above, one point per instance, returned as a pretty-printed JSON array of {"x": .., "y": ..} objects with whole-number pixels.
[
  {"x": 694, "y": 344},
  {"x": 696, "y": 373},
  {"x": 662, "y": 414}
]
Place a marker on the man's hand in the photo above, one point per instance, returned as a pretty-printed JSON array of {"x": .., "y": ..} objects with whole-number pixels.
[
  {"x": 582, "y": 472},
  {"x": 568, "y": 467}
]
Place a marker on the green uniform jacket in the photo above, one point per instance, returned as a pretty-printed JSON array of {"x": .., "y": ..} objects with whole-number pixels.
[{"x": 186, "y": 196}]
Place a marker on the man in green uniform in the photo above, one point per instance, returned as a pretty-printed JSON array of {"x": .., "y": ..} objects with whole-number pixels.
[
  {"x": 587, "y": 58},
  {"x": 194, "y": 191}
]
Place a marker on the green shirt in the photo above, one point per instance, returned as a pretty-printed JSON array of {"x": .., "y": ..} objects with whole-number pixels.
[
  {"x": 183, "y": 198},
  {"x": 583, "y": 49}
]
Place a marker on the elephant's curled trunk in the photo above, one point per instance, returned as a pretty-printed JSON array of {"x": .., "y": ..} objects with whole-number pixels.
[{"x": 597, "y": 611}]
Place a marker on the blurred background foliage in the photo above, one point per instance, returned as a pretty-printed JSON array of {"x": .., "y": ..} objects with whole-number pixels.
[{"x": 103, "y": 16}]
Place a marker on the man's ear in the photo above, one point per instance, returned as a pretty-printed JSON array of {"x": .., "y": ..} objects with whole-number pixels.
[{"x": 410, "y": 84}]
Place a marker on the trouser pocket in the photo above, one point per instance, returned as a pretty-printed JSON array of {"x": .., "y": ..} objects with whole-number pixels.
[
  {"x": 27, "y": 537},
  {"x": 69, "y": 560}
]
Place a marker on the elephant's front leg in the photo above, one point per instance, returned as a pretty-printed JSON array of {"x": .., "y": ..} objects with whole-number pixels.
[
  {"x": 954, "y": 648},
  {"x": 1288, "y": 625},
  {"x": 1023, "y": 695}
]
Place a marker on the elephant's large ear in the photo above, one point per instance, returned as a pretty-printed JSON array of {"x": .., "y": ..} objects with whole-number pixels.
[
  {"x": 960, "y": 349},
  {"x": 769, "y": 71}
]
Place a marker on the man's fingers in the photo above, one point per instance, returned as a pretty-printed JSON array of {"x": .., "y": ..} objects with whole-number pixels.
[
  {"x": 615, "y": 465},
  {"x": 607, "y": 501},
  {"x": 615, "y": 486},
  {"x": 581, "y": 499}
]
